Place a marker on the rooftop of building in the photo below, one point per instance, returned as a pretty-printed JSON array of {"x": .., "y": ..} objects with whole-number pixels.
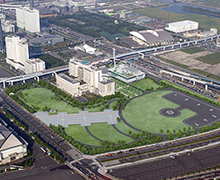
[
  {"x": 126, "y": 71},
  {"x": 67, "y": 78},
  {"x": 106, "y": 82},
  {"x": 45, "y": 11},
  {"x": 182, "y": 23},
  {"x": 8, "y": 139},
  {"x": 34, "y": 61},
  {"x": 152, "y": 35},
  {"x": 45, "y": 37}
]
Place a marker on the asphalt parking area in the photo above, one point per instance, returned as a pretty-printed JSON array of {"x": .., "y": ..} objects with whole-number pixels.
[{"x": 206, "y": 114}]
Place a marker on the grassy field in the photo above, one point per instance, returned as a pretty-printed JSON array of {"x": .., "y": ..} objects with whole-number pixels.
[
  {"x": 41, "y": 97},
  {"x": 95, "y": 109},
  {"x": 105, "y": 131},
  {"x": 112, "y": 104},
  {"x": 210, "y": 58},
  {"x": 145, "y": 83},
  {"x": 80, "y": 134},
  {"x": 205, "y": 22},
  {"x": 192, "y": 50},
  {"x": 213, "y": 3},
  {"x": 143, "y": 113}
]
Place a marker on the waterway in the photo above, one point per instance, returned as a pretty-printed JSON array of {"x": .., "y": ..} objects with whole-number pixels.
[{"x": 177, "y": 7}]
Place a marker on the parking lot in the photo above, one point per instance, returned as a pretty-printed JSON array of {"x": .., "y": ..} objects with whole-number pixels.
[{"x": 207, "y": 114}]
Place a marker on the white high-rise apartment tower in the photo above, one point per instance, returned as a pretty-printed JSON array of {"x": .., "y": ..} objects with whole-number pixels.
[
  {"x": 28, "y": 19},
  {"x": 16, "y": 51}
]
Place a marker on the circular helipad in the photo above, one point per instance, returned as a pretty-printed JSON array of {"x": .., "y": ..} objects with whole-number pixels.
[{"x": 169, "y": 112}]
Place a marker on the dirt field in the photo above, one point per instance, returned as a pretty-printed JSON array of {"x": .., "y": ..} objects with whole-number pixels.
[{"x": 190, "y": 60}]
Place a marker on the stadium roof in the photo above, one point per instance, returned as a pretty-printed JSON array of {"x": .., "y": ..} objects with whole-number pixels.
[{"x": 152, "y": 35}]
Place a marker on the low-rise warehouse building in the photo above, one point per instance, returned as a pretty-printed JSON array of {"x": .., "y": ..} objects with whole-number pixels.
[
  {"x": 46, "y": 40},
  {"x": 12, "y": 147},
  {"x": 182, "y": 26}
]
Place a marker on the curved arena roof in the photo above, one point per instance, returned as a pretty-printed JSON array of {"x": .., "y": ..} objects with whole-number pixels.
[{"x": 152, "y": 35}]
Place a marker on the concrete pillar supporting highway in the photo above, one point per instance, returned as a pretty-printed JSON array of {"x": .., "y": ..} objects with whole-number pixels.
[
  {"x": 4, "y": 84},
  {"x": 172, "y": 47},
  {"x": 211, "y": 82},
  {"x": 188, "y": 44},
  {"x": 11, "y": 83},
  {"x": 205, "y": 39},
  {"x": 52, "y": 74},
  {"x": 171, "y": 75},
  {"x": 164, "y": 48},
  {"x": 194, "y": 83},
  {"x": 180, "y": 45},
  {"x": 38, "y": 79},
  {"x": 211, "y": 38},
  {"x": 206, "y": 87},
  {"x": 24, "y": 81},
  {"x": 155, "y": 49},
  {"x": 196, "y": 42},
  {"x": 182, "y": 79}
]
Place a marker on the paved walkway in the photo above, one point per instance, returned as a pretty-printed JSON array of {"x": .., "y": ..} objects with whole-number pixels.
[{"x": 84, "y": 118}]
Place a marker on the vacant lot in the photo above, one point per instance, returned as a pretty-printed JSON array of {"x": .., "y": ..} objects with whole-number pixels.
[
  {"x": 211, "y": 58},
  {"x": 192, "y": 50}
]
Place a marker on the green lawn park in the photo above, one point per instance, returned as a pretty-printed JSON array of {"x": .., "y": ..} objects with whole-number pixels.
[
  {"x": 192, "y": 50},
  {"x": 41, "y": 97},
  {"x": 210, "y": 58},
  {"x": 145, "y": 83},
  {"x": 80, "y": 134},
  {"x": 205, "y": 22},
  {"x": 143, "y": 113},
  {"x": 102, "y": 131}
]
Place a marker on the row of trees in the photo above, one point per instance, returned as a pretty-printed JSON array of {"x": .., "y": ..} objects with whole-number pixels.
[
  {"x": 188, "y": 131},
  {"x": 55, "y": 155},
  {"x": 92, "y": 24},
  {"x": 119, "y": 103},
  {"x": 15, "y": 120},
  {"x": 51, "y": 61}
]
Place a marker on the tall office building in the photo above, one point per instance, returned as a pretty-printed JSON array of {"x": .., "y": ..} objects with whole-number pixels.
[
  {"x": 1, "y": 39},
  {"x": 28, "y": 19},
  {"x": 16, "y": 52},
  {"x": 18, "y": 56},
  {"x": 31, "y": 3}
]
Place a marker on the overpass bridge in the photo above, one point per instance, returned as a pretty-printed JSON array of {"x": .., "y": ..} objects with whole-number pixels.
[
  {"x": 35, "y": 76},
  {"x": 126, "y": 56},
  {"x": 142, "y": 53}
]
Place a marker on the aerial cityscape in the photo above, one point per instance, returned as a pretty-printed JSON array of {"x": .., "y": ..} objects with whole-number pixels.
[{"x": 109, "y": 90}]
